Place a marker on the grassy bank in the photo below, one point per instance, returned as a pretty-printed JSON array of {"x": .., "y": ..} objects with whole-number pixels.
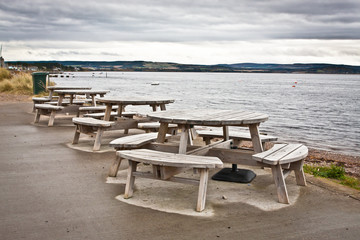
[
  {"x": 334, "y": 172},
  {"x": 15, "y": 83}
]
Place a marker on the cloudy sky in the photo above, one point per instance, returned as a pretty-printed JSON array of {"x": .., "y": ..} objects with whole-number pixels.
[{"x": 182, "y": 31}]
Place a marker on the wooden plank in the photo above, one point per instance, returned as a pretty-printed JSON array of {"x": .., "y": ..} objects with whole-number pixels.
[
  {"x": 76, "y": 135},
  {"x": 173, "y": 179},
  {"x": 162, "y": 132},
  {"x": 129, "y": 188},
  {"x": 92, "y": 122},
  {"x": 240, "y": 135},
  {"x": 255, "y": 138},
  {"x": 98, "y": 137},
  {"x": 204, "y": 175},
  {"x": 281, "y": 153},
  {"x": 280, "y": 184},
  {"x": 202, "y": 151},
  {"x": 260, "y": 156},
  {"x": 134, "y": 141},
  {"x": 52, "y": 118},
  {"x": 115, "y": 167},
  {"x": 154, "y": 125},
  {"x": 184, "y": 137},
  {"x": 48, "y": 106},
  {"x": 96, "y": 108},
  {"x": 108, "y": 112},
  {"x": 170, "y": 159},
  {"x": 299, "y": 172},
  {"x": 296, "y": 155}
]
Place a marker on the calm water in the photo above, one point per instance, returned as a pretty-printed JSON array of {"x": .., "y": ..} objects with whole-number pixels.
[{"x": 321, "y": 111}]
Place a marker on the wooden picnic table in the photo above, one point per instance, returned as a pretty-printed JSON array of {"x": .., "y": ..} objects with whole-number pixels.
[
  {"x": 74, "y": 92},
  {"x": 187, "y": 119},
  {"x": 51, "y": 89},
  {"x": 124, "y": 101}
]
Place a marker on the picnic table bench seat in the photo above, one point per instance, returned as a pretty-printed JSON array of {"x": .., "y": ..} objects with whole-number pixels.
[
  {"x": 66, "y": 102},
  {"x": 130, "y": 142},
  {"x": 166, "y": 166},
  {"x": 283, "y": 158},
  {"x": 155, "y": 126},
  {"x": 100, "y": 115},
  {"x": 47, "y": 110},
  {"x": 237, "y": 135},
  {"x": 94, "y": 109},
  {"x": 89, "y": 126},
  {"x": 41, "y": 100}
]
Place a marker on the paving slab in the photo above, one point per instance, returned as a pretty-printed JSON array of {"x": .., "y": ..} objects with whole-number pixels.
[{"x": 51, "y": 191}]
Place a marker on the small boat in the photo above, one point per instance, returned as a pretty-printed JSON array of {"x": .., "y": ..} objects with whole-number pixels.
[{"x": 155, "y": 83}]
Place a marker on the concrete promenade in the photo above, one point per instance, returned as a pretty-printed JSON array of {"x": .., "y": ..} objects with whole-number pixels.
[{"x": 51, "y": 191}]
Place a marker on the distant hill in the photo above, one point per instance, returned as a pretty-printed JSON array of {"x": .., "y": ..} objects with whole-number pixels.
[
  {"x": 175, "y": 67},
  {"x": 297, "y": 67}
]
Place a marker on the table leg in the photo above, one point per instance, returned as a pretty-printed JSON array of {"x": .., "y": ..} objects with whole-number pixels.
[
  {"x": 93, "y": 100},
  {"x": 162, "y": 132},
  {"x": 226, "y": 133},
  {"x": 153, "y": 108},
  {"x": 162, "y": 107},
  {"x": 108, "y": 112},
  {"x": 71, "y": 98},
  {"x": 184, "y": 137},
  {"x": 255, "y": 138},
  {"x": 121, "y": 108},
  {"x": 51, "y": 94},
  {"x": 60, "y": 100}
]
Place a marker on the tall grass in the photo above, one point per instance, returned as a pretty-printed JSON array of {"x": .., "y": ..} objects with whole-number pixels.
[
  {"x": 4, "y": 74},
  {"x": 19, "y": 83},
  {"x": 333, "y": 172}
]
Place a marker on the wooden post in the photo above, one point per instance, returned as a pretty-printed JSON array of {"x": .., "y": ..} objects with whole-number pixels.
[
  {"x": 162, "y": 132},
  {"x": 255, "y": 137},
  {"x": 71, "y": 98},
  {"x": 107, "y": 114},
  {"x": 129, "y": 188},
  {"x": 226, "y": 133},
  {"x": 37, "y": 116},
  {"x": 77, "y": 135},
  {"x": 52, "y": 118},
  {"x": 162, "y": 107},
  {"x": 60, "y": 100},
  {"x": 299, "y": 172},
  {"x": 204, "y": 174},
  {"x": 280, "y": 184},
  {"x": 98, "y": 136},
  {"x": 184, "y": 139},
  {"x": 115, "y": 166}
]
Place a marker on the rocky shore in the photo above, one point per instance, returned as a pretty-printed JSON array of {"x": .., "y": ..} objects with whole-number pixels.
[{"x": 316, "y": 157}]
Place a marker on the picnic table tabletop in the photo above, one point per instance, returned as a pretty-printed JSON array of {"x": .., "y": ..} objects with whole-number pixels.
[
  {"x": 123, "y": 101},
  {"x": 56, "y": 87},
  {"x": 73, "y": 92},
  {"x": 186, "y": 119}
]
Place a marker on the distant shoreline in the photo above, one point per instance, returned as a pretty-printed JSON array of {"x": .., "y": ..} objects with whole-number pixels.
[{"x": 146, "y": 66}]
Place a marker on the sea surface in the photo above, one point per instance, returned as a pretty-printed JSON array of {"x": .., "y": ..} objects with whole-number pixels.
[{"x": 319, "y": 110}]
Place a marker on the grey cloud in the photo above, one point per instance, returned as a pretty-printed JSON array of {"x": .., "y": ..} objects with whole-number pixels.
[{"x": 178, "y": 21}]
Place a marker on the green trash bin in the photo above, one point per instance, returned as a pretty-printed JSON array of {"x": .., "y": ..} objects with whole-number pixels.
[{"x": 39, "y": 82}]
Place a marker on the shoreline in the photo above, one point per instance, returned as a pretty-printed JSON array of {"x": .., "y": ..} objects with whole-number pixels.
[{"x": 316, "y": 156}]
